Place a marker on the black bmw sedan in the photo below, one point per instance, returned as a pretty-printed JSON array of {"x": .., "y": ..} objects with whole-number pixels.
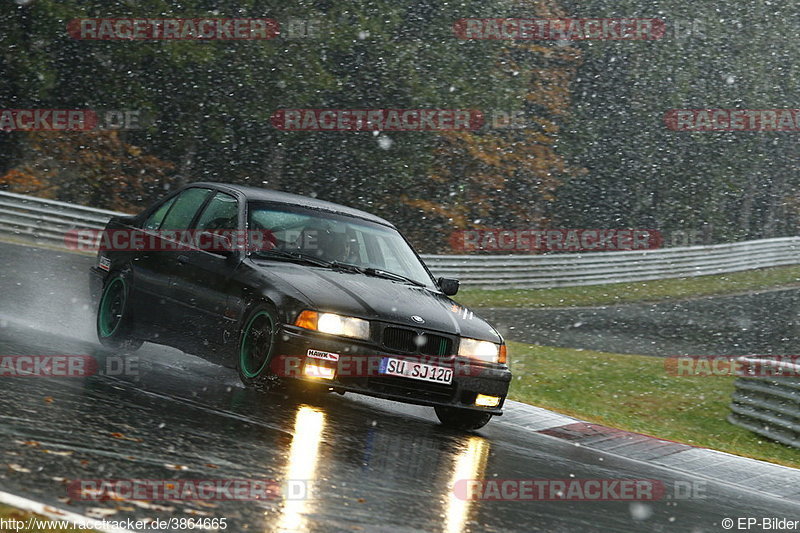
[{"x": 293, "y": 290}]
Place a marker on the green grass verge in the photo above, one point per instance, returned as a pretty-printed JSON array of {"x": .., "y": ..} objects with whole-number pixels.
[
  {"x": 641, "y": 291},
  {"x": 635, "y": 393},
  {"x": 12, "y": 513}
]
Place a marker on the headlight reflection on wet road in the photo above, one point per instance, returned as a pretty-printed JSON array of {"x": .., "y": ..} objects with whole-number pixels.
[
  {"x": 470, "y": 463},
  {"x": 301, "y": 467}
]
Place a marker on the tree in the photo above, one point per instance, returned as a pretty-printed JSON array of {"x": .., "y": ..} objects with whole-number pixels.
[
  {"x": 640, "y": 174},
  {"x": 92, "y": 168},
  {"x": 506, "y": 175}
]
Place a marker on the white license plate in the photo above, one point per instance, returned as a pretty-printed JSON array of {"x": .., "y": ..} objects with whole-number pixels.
[{"x": 420, "y": 371}]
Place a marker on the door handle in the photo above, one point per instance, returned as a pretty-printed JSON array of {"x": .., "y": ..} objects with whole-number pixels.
[{"x": 183, "y": 259}]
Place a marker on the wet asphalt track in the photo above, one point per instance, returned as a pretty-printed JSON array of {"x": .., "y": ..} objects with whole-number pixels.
[
  {"x": 763, "y": 323},
  {"x": 372, "y": 465}
]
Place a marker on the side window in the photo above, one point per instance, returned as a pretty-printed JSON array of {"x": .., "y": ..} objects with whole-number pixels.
[
  {"x": 153, "y": 222},
  {"x": 184, "y": 209},
  {"x": 221, "y": 213}
]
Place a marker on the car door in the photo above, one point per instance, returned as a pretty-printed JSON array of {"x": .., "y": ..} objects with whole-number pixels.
[
  {"x": 154, "y": 302},
  {"x": 203, "y": 279},
  {"x": 149, "y": 283}
]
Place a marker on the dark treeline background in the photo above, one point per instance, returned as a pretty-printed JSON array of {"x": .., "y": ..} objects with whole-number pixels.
[{"x": 593, "y": 152}]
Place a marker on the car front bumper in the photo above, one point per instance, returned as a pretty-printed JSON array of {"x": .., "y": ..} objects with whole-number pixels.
[{"x": 357, "y": 370}]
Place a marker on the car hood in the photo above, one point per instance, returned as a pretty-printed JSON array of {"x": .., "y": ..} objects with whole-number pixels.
[{"x": 374, "y": 298}]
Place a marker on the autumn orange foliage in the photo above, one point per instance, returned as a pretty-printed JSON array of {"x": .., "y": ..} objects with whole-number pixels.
[
  {"x": 505, "y": 177},
  {"x": 96, "y": 168}
]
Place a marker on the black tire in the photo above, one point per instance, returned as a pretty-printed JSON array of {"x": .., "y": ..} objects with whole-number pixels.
[
  {"x": 256, "y": 347},
  {"x": 114, "y": 323},
  {"x": 462, "y": 419}
]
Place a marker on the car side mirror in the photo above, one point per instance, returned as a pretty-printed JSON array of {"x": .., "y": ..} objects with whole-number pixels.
[{"x": 449, "y": 286}]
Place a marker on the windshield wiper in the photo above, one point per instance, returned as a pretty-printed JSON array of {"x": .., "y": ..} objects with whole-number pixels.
[
  {"x": 297, "y": 256},
  {"x": 346, "y": 267},
  {"x": 293, "y": 256},
  {"x": 336, "y": 265},
  {"x": 378, "y": 273}
]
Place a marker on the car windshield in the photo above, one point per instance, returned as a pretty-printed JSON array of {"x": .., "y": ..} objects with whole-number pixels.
[{"x": 338, "y": 239}]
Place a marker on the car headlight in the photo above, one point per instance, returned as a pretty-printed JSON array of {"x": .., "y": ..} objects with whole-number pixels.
[
  {"x": 346, "y": 326},
  {"x": 485, "y": 351}
]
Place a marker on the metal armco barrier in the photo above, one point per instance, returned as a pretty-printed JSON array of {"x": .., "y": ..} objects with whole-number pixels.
[
  {"x": 571, "y": 269},
  {"x": 769, "y": 406},
  {"x": 49, "y": 220}
]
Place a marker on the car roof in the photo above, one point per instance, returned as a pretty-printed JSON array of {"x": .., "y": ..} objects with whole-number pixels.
[{"x": 269, "y": 195}]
